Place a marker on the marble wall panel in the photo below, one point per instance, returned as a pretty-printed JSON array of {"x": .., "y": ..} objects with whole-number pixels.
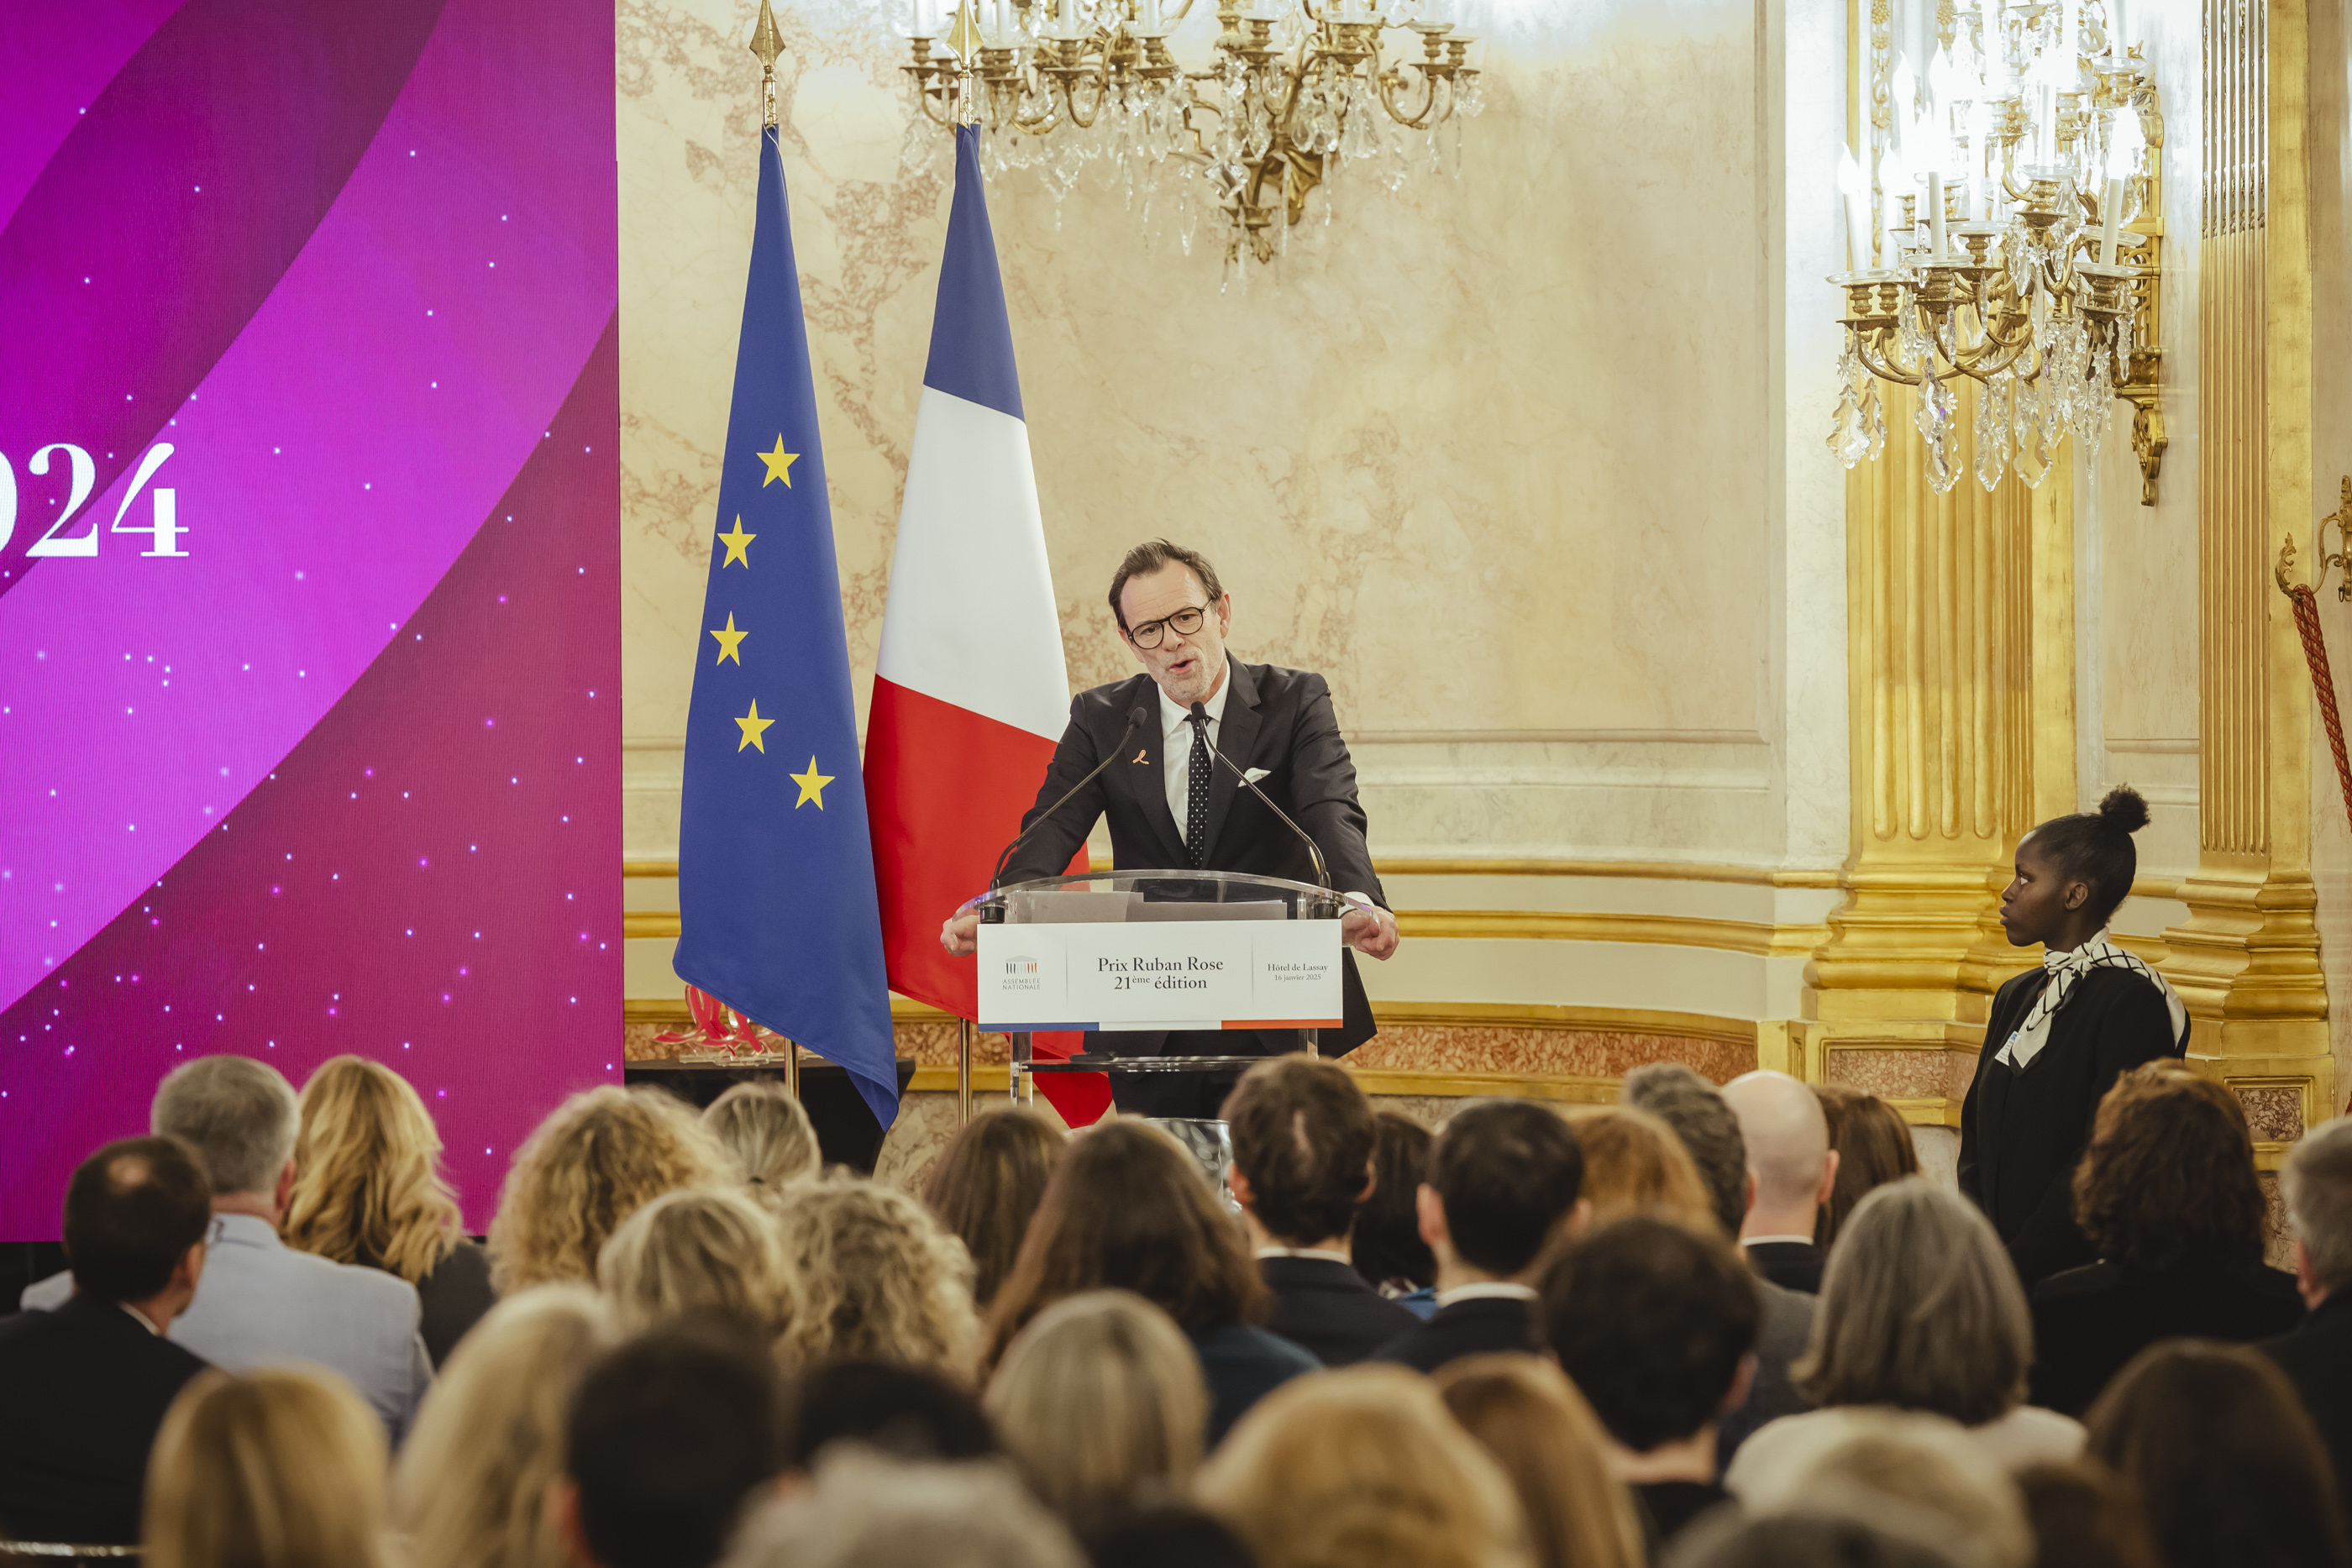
[
  {"x": 1902, "y": 1073},
  {"x": 2273, "y": 1113},
  {"x": 1580, "y": 1053}
]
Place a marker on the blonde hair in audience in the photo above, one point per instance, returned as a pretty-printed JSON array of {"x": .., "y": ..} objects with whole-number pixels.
[
  {"x": 878, "y": 1278},
  {"x": 1525, "y": 1412},
  {"x": 367, "y": 1178},
  {"x": 1919, "y": 1474},
  {"x": 1100, "y": 1400},
  {"x": 597, "y": 1159},
  {"x": 470, "y": 1489},
  {"x": 697, "y": 1249},
  {"x": 864, "y": 1510},
  {"x": 1363, "y": 1468},
  {"x": 1633, "y": 1164},
  {"x": 767, "y": 1132},
  {"x": 278, "y": 1468}
]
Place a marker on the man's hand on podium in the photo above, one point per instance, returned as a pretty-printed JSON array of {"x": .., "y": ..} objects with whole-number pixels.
[
  {"x": 961, "y": 934},
  {"x": 1369, "y": 929}
]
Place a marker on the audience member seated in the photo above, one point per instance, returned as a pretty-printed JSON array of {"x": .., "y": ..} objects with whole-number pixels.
[
  {"x": 2167, "y": 1195},
  {"x": 1922, "y": 1312},
  {"x": 1655, "y": 1324},
  {"x": 867, "y": 1511},
  {"x": 667, "y": 1439},
  {"x": 262, "y": 1302},
  {"x": 987, "y": 1187},
  {"x": 1873, "y": 1147},
  {"x": 1363, "y": 1468},
  {"x": 84, "y": 1387},
  {"x": 708, "y": 1250},
  {"x": 2230, "y": 1470},
  {"x": 2083, "y": 1516},
  {"x": 874, "y": 1278},
  {"x": 1801, "y": 1540},
  {"x": 1130, "y": 1209},
  {"x": 470, "y": 1489},
  {"x": 1526, "y": 1414},
  {"x": 595, "y": 1160},
  {"x": 1302, "y": 1136},
  {"x": 368, "y": 1190},
  {"x": 1695, "y": 1109},
  {"x": 1915, "y": 1474},
  {"x": 1633, "y": 1164},
  {"x": 902, "y": 1411},
  {"x": 1503, "y": 1180},
  {"x": 1168, "y": 1535},
  {"x": 1794, "y": 1169},
  {"x": 1386, "y": 1244},
  {"x": 2317, "y": 1356},
  {"x": 766, "y": 1132},
  {"x": 278, "y": 1468},
  {"x": 1100, "y": 1401}
]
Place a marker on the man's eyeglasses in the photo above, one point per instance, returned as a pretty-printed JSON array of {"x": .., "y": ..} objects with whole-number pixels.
[{"x": 1184, "y": 622}]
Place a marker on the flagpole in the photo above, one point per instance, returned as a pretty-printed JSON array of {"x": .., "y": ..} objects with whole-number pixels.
[{"x": 767, "y": 43}]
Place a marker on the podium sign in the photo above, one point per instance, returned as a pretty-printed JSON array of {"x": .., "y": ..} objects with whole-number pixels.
[{"x": 1123, "y": 974}]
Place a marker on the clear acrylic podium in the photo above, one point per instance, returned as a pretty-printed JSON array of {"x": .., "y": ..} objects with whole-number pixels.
[{"x": 1154, "y": 950}]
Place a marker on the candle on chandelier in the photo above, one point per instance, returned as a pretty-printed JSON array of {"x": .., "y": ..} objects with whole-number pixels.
[
  {"x": 1003, "y": 22},
  {"x": 2111, "y": 212},
  {"x": 1937, "y": 251},
  {"x": 1857, "y": 228},
  {"x": 1151, "y": 16}
]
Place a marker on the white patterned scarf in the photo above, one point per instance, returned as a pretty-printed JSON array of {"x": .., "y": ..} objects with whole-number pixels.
[{"x": 2025, "y": 1042}]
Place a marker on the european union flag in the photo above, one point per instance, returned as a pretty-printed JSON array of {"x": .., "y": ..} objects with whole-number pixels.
[{"x": 775, "y": 867}]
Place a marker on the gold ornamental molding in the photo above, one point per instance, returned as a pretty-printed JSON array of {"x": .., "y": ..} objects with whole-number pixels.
[{"x": 1409, "y": 865}]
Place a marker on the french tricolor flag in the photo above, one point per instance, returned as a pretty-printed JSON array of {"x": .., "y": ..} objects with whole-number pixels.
[{"x": 969, "y": 693}]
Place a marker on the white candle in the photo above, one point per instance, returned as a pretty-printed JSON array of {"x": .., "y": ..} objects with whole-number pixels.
[
  {"x": 1857, "y": 234},
  {"x": 2046, "y": 131},
  {"x": 1151, "y": 16},
  {"x": 1003, "y": 22},
  {"x": 1936, "y": 215},
  {"x": 2112, "y": 212}
]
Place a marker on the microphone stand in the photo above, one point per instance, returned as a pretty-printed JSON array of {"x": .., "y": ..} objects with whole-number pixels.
[{"x": 1135, "y": 715}]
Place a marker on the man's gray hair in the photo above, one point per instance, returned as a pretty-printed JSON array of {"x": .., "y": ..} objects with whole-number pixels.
[
  {"x": 868, "y": 1511},
  {"x": 2318, "y": 1181},
  {"x": 240, "y": 1114},
  {"x": 1704, "y": 1120}
]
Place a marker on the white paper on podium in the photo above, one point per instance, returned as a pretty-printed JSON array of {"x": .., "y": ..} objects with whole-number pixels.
[{"x": 1118, "y": 975}]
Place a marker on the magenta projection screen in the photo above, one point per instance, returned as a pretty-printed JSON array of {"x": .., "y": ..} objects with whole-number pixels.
[{"x": 310, "y": 685}]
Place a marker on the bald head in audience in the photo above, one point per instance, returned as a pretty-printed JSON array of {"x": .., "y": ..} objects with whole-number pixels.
[{"x": 1789, "y": 1152}]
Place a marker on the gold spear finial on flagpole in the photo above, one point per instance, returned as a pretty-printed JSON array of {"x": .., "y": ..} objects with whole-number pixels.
[
  {"x": 767, "y": 43},
  {"x": 963, "y": 41}
]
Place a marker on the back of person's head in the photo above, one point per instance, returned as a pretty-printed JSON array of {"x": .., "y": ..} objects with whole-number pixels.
[
  {"x": 1386, "y": 1246},
  {"x": 132, "y": 1211},
  {"x": 876, "y": 1279},
  {"x": 2083, "y": 1516},
  {"x": 1168, "y": 1535},
  {"x": 666, "y": 1438},
  {"x": 471, "y": 1488},
  {"x": 2224, "y": 1458},
  {"x": 1633, "y": 1164},
  {"x": 2168, "y": 1177},
  {"x": 868, "y": 1511},
  {"x": 595, "y": 1160},
  {"x": 698, "y": 1250},
  {"x": 1733, "y": 1540},
  {"x": 1652, "y": 1320},
  {"x": 1920, "y": 1309},
  {"x": 1787, "y": 1135},
  {"x": 1128, "y": 1210},
  {"x": 1363, "y": 1468},
  {"x": 1873, "y": 1147},
  {"x": 1100, "y": 1400},
  {"x": 1303, "y": 1138},
  {"x": 906, "y": 1412},
  {"x": 987, "y": 1187},
  {"x": 276, "y": 1467},
  {"x": 1525, "y": 1413},
  {"x": 1920, "y": 1475},
  {"x": 1507, "y": 1172},
  {"x": 765, "y": 1131},
  {"x": 1693, "y": 1108},
  {"x": 2317, "y": 1181},
  {"x": 240, "y": 1116},
  {"x": 367, "y": 1178}
]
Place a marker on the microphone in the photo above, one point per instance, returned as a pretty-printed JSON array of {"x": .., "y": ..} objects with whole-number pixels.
[
  {"x": 1314, "y": 851},
  {"x": 1137, "y": 716}
]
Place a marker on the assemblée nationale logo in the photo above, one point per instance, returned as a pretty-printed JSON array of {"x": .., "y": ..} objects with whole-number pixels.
[{"x": 1021, "y": 974}]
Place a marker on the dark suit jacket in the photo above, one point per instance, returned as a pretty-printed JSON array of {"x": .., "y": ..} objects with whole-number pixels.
[
  {"x": 1781, "y": 1336},
  {"x": 1791, "y": 1265},
  {"x": 84, "y": 1390},
  {"x": 2087, "y": 1322},
  {"x": 1242, "y": 1364},
  {"x": 1277, "y": 719},
  {"x": 2021, "y": 1134},
  {"x": 2317, "y": 1359},
  {"x": 1479, "y": 1326},
  {"x": 1328, "y": 1308}
]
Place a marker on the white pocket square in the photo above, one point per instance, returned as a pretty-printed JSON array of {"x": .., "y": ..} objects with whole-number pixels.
[{"x": 1254, "y": 774}]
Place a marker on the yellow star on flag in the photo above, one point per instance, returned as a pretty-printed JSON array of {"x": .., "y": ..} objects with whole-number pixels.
[
  {"x": 779, "y": 464},
  {"x": 738, "y": 544},
  {"x": 731, "y": 643},
  {"x": 753, "y": 726},
  {"x": 811, "y": 785}
]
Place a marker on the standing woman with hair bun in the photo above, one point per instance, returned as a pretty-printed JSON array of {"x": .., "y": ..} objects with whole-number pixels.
[{"x": 2060, "y": 1035}]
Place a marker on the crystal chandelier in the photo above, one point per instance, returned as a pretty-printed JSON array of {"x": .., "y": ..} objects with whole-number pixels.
[
  {"x": 2019, "y": 202},
  {"x": 1293, "y": 91}
]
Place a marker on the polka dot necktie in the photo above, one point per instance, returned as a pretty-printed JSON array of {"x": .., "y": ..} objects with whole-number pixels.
[{"x": 1196, "y": 809}]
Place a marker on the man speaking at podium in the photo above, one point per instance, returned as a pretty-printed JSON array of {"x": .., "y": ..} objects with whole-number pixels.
[{"x": 1173, "y": 805}]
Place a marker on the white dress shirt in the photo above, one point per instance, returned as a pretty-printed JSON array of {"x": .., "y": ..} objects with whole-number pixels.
[
  {"x": 1176, "y": 743},
  {"x": 1487, "y": 1289}
]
